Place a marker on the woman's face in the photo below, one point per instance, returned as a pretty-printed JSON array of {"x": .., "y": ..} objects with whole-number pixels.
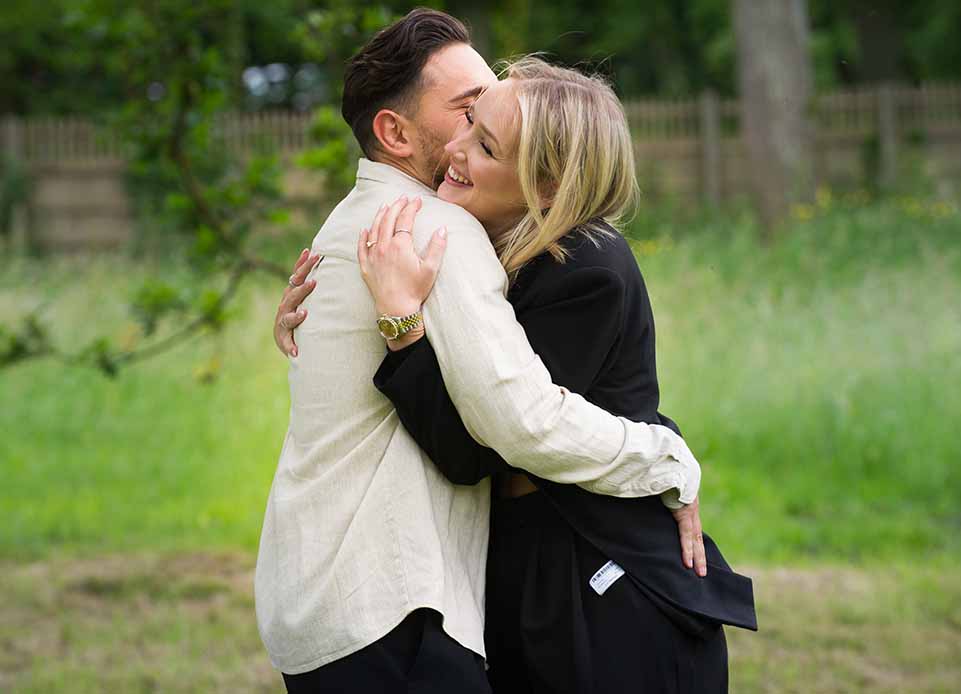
[{"x": 482, "y": 177}]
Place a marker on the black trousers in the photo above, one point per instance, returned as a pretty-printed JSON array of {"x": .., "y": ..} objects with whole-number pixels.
[
  {"x": 548, "y": 631},
  {"x": 416, "y": 657}
]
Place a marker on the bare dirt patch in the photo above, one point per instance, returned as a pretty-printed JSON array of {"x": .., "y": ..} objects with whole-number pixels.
[
  {"x": 144, "y": 623},
  {"x": 185, "y": 623}
]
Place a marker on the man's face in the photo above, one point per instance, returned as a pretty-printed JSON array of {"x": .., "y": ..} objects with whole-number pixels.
[{"x": 454, "y": 76}]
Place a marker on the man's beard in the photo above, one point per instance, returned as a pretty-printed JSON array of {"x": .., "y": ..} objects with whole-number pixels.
[{"x": 436, "y": 160}]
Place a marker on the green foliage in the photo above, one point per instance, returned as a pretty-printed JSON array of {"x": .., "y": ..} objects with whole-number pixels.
[
  {"x": 153, "y": 301},
  {"x": 331, "y": 32},
  {"x": 330, "y": 35},
  {"x": 28, "y": 339},
  {"x": 172, "y": 59},
  {"x": 334, "y": 153},
  {"x": 68, "y": 56}
]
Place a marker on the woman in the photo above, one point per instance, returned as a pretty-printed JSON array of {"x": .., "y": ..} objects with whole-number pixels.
[{"x": 544, "y": 160}]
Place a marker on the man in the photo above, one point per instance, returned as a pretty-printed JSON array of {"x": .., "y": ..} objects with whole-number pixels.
[{"x": 370, "y": 575}]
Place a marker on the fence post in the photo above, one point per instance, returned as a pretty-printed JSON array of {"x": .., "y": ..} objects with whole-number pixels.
[
  {"x": 888, "y": 137},
  {"x": 12, "y": 138},
  {"x": 710, "y": 132}
]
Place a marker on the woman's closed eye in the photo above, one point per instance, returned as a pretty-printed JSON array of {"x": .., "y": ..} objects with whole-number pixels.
[{"x": 469, "y": 115}]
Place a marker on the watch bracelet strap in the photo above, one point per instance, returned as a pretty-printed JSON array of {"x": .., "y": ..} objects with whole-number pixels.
[{"x": 408, "y": 323}]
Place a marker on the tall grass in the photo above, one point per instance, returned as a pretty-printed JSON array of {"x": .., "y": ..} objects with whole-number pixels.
[{"x": 817, "y": 380}]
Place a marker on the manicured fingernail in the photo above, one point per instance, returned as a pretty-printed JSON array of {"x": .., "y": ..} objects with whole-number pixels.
[
  {"x": 301, "y": 313},
  {"x": 312, "y": 283},
  {"x": 293, "y": 352},
  {"x": 443, "y": 232}
]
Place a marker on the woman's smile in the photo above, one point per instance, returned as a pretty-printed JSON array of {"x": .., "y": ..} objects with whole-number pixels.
[
  {"x": 482, "y": 175},
  {"x": 457, "y": 179}
]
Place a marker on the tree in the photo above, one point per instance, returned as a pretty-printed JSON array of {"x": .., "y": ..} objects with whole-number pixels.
[
  {"x": 176, "y": 62},
  {"x": 775, "y": 80}
]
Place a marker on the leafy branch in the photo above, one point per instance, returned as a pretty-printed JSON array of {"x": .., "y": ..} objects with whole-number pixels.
[
  {"x": 169, "y": 140},
  {"x": 174, "y": 59}
]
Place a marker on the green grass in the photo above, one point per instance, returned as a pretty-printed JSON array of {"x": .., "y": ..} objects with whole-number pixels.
[
  {"x": 154, "y": 458},
  {"x": 817, "y": 379},
  {"x": 148, "y": 622}
]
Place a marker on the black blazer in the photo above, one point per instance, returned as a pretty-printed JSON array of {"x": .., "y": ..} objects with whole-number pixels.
[{"x": 590, "y": 321}]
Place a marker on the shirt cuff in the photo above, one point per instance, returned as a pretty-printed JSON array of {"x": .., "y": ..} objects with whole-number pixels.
[
  {"x": 654, "y": 460},
  {"x": 672, "y": 499}
]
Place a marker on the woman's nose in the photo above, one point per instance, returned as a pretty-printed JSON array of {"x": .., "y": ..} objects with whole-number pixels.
[{"x": 454, "y": 150}]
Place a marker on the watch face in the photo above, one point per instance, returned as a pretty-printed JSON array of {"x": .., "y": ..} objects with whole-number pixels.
[{"x": 388, "y": 328}]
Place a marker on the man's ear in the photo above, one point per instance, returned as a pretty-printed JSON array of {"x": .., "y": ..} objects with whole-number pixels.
[{"x": 393, "y": 133}]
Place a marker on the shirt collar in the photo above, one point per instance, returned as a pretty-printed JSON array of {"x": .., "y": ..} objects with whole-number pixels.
[{"x": 368, "y": 170}]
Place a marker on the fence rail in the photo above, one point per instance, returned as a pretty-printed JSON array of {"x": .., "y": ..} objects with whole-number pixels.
[
  {"x": 850, "y": 112},
  {"x": 685, "y": 147}
]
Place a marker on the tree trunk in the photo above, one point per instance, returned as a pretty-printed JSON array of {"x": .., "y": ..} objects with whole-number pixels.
[
  {"x": 775, "y": 81},
  {"x": 880, "y": 40}
]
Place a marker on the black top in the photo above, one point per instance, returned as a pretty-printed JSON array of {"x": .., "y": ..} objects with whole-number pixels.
[{"x": 590, "y": 321}]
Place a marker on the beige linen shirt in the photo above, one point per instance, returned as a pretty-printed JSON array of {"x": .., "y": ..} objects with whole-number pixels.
[{"x": 360, "y": 528}]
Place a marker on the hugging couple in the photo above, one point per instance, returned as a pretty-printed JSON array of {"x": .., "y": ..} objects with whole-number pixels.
[{"x": 476, "y": 491}]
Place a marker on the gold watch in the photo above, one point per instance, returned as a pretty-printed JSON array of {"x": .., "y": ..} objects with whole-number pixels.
[{"x": 392, "y": 327}]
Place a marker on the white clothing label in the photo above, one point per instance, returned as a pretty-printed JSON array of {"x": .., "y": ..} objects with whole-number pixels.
[{"x": 605, "y": 577}]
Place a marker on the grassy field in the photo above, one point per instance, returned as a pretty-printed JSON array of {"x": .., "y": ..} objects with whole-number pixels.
[
  {"x": 817, "y": 380},
  {"x": 142, "y": 622}
]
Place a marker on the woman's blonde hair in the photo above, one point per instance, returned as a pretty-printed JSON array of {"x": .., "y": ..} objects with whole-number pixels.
[{"x": 575, "y": 160}]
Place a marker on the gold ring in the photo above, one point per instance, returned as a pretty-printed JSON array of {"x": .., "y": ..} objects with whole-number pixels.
[{"x": 370, "y": 243}]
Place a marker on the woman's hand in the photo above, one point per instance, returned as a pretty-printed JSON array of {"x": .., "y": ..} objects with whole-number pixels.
[
  {"x": 398, "y": 279},
  {"x": 289, "y": 314}
]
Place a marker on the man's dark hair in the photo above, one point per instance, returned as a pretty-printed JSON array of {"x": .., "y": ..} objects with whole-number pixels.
[{"x": 387, "y": 72}]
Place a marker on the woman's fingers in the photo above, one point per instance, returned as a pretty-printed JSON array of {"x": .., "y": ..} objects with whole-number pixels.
[
  {"x": 303, "y": 269},
  {"x": 700, "y": 556},
  {"x": 684, "y": 527},
  {"x": 375, "y": 225},
  {"x": 300, "y": 260},
  {"x": 692, "y": 538},
  {"x": 389, "y": 221},
  {"x": 290, "y": 321},
  {"x": 295, "y": 297},
  {"x": 405, "y": 220},
  {"x": 435, "y": 252}
]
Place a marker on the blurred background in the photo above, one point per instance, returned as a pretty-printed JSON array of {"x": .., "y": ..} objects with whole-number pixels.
[{"x": 164, "y": 162}]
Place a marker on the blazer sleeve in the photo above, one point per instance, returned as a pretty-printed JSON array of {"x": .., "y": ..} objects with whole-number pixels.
[
  {"x": 412, "y": 380},
  {"x": 573, "y": 324}
]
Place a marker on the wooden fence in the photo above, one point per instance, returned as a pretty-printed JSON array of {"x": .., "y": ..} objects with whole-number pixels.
[{"x": 687, "y": 148}]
